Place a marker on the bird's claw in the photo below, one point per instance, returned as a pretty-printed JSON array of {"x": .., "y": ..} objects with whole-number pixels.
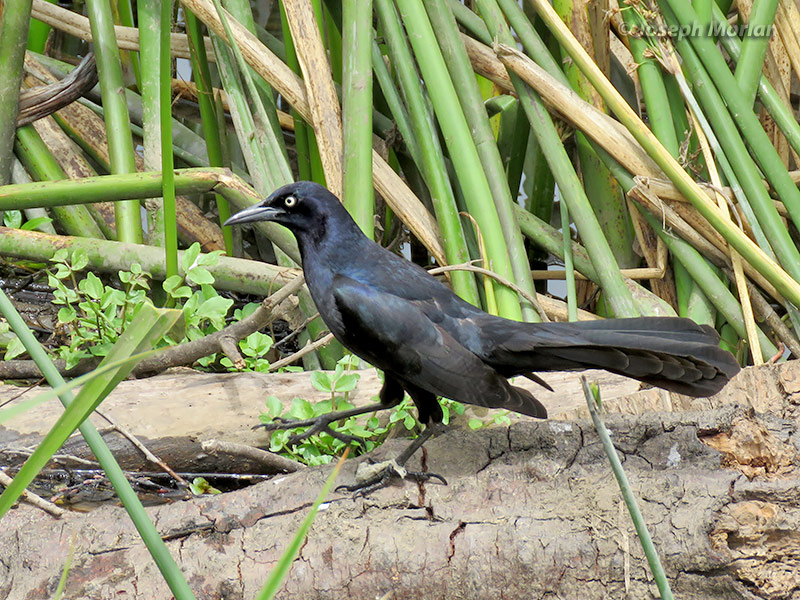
[
  {"x": 380, "y": 475},
  {"x": 320, "y": 424}
]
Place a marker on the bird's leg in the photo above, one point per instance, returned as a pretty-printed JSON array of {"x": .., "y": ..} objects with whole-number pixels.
[
  {"x": 381, "y": 474},
  {"x": 390, "y": 395}
]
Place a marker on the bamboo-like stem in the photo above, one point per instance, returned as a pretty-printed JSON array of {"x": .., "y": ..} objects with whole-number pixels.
[
  {"x": 549, "y": 238},
  {"x": 716, "y": 291},
  {"x": 749, "y": 250},
  {"x": 149, "y": 84},
  {"x": 463, "y": 152},
  {"x": 659, "y": 575},
  {"x": 736, "y": 260},
  {"x": 572, "y": 191},
  {"x": 470, "y": 21},
  {"x": 606, "y": 198},
  {"x": 653, "y": 88},
  {"x": 423, "y": 143},
  {"x": 746, "y": 120},
  {"x": 13, "y": 35},
  {"x": 780, "y": 112},
  {"x": 572, "y": 299},
  {"x": 460, "y": 70},
  {"x": 41, "y": 164},
  {"x": 167, "y": 160},
  {"x": 120, "y": 142},
  {"x": 754, "y": 47},
  {"x": 208, "y": 116},
  {"x": 20, "y": 176},
  {"x": 512, "y": 141},
  {"x": 262, "y": 95},
  {"x": 323, "y": 101},
  {"x": 234, "y": 274},
  {"x": 357, "y": 195},
  {"x": 280, "y": 76}
]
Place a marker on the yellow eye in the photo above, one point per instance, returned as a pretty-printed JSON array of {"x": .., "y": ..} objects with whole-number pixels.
[{"x": 289, "y": 201}]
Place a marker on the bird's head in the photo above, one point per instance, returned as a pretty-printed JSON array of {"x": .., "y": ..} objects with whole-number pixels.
[{"x": 301, "y": 207}]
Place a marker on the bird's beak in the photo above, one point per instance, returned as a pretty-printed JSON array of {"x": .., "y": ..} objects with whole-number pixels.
[{"x": 257, "y": 212}]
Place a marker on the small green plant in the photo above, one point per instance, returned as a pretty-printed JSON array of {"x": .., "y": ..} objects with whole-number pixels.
[
  {"x": 200, "y": 486},
  {"x": 337, "y": 381},
  {"x": 321, "y": 448},
  {"x": 13, "y": 219},
  {"x": 254, "y": 348},
  {"x": 499, "y": 418},
  {"x": 94, "y": 314},
  {"x": 8, "y": 340}
]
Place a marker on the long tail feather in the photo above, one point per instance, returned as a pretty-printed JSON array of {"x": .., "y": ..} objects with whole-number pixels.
[{"x": 671, "y": 353}]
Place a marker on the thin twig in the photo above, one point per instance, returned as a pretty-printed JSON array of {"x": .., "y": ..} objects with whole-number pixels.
[
  {"x": 189, "y": 352},
  {"x": 32, "y": 498},
  {"x": 502, "y": 280},
  {"x": 310, "y": 347},
  {"x": 143, "y": 449}
]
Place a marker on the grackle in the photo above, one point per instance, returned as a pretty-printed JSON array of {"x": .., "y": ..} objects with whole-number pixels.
[{"x": 429, "y": 342}]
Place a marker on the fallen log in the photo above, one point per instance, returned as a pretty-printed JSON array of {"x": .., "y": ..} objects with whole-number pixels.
[{"x": 531, "y": 511}]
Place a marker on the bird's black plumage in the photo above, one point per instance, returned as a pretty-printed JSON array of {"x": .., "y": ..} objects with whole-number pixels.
[{"x": 429, "y": 342}]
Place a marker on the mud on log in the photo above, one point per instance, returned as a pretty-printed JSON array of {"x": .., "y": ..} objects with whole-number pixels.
[{"x": 532, "y": 511}]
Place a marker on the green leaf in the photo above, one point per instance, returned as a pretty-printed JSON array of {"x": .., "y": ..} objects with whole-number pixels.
[
  {"x": 349, "y": 360},
  {"x": 274, "y": 406},
  {"x": 278, "y": 439},
  {"x": 66, "y": 314},
  {"x": 209, "y": 259},
  {"x": 256, "y": 344},
  {"x": 62, "y": 271},
  {"x": 475, "y": 424},
  {"x": 321, "y": 381},
  {"x": 35, "y": 223},
  {"x": 347, "y": 382},
  {"x": 171, "y": 283},
  {"x": 80, "y": 259},
  {"x": 60, "y": 256},
  {"x": 14, "y": 349},
  {"x": 200, "y": 276},
  {"x": 301, "y": 409},
  {"x": 247, "y": 310},
  {"x": 190, "y": 257},
  {"x": 12, "y": 219},
  {"x": 214, "y": 308},
  {"x": 200, "y": 486},
  {"x": 91, "y": 286}
]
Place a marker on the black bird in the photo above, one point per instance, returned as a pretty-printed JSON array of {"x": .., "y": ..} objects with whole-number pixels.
[{"x": 429, "y": 342}]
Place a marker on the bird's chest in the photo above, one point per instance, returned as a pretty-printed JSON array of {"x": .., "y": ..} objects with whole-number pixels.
[{"x": 320, "y": 282}]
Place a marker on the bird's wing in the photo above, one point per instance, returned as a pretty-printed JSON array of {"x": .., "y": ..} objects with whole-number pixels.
[{"x": 397, "y": 336}]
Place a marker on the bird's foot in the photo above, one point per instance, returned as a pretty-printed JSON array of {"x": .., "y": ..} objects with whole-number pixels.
[
  {"x": 321, "y": 424},
  {"x": 371, "y": 477},
  {"x": 374, "y": 476}
]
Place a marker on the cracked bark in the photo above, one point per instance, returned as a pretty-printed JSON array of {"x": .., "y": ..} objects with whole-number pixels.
[{"x": 532, "y": 511}]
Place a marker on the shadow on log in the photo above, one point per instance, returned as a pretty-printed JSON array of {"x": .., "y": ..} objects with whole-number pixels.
[{"x": 532, "y": 511}]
